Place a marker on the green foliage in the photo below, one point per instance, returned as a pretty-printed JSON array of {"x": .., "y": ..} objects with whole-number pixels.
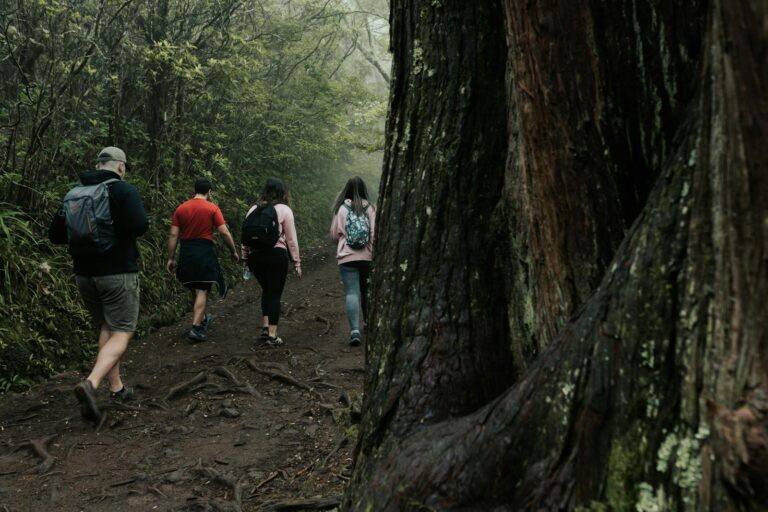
[{"x": 188, "y": 88}]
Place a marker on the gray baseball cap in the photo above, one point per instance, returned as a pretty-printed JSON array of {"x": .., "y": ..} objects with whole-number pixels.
[{"x": 111, "y": 153}]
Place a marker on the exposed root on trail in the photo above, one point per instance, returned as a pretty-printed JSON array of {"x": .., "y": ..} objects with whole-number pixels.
[
  {"x": 277, "y": 375},
  {"x": 185, "y": 386},
  {"x": 327, "y": 324},
  {"x": 236, "y": 484},
  {"x": 37, "y": 446}
]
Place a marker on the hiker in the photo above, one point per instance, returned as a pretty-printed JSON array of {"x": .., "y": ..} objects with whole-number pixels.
[
  {"x": 354, "y": 218},
  {"x": 198, "y": 268},
  {"x": 269, "y": 235},
  {"x": 100, "y": 219}
]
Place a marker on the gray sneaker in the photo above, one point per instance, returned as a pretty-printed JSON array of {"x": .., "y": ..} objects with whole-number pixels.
[
  {"x": 196, "y": 333},
  {"x": 89, "y": 410},
  {"x": 124, "y": 395},
  {"x": 207, "y": 319},
  {"x": 274, "y": 341}
]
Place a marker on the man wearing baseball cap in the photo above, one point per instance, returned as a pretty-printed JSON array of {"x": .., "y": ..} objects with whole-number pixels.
[{"x": 108, "y": 281}]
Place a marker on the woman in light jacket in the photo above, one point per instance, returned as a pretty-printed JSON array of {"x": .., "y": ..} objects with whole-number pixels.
[
  {"x": 353, "y": 227},
  {"x": 271, "y": 266}
]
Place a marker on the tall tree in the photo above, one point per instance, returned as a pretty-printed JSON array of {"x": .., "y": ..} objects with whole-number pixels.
[{"x": 571, "y": 271}]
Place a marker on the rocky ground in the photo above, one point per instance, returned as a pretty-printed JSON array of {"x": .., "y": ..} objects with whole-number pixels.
[{"x": 224, "y": 425}]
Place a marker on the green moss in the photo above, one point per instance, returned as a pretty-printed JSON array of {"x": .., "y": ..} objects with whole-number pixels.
[{"x": 625, "y": 471}]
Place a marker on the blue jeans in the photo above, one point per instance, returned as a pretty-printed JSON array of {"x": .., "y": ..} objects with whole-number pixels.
[{"x": 354, "y": 275}]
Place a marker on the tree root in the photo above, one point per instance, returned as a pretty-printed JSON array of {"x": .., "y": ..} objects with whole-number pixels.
[
  {"x": 227, "y": 374},
  {"x": 236, "y": 484},
  {"x": 37, "y": 446},
  {"x": 185, "y": 386},
  {"x": 276, "y": 375},
  {"x": 327, "y": 324}
]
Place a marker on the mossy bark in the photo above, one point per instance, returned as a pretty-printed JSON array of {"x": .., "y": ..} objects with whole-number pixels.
[{"x": 570, "y": 287}]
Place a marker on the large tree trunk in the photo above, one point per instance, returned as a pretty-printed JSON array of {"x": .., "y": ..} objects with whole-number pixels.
[{"x": 572, "y": 314}]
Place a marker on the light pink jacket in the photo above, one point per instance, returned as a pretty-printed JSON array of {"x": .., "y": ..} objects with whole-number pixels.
[
  {"x": 345, "y": 253},
  {"x": 287, "y": 238}
]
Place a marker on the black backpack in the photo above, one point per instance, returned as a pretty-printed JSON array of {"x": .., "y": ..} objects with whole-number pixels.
[
  {"x": 90, "y": 229},
  {"x": 261, "y": 229}
]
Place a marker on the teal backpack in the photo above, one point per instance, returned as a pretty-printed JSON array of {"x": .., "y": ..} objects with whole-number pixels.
[{"x": 358, "y": 228}]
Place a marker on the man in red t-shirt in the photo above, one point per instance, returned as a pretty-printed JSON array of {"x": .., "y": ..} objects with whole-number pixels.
[{"x": 194, "y": 222}]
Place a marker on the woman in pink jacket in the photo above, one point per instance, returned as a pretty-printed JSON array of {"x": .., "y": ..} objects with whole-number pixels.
[
  {"x": 270, "y": 266},
  {"x": 353, "y": 228}
]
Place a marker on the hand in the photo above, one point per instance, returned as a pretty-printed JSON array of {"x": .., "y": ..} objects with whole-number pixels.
[
  {"x": 170, "y": 266},
  {"x": 298, "y": 270},
  {"x": 235, "y": 257}
]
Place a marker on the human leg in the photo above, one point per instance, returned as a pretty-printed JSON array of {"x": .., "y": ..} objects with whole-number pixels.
[
  {"x": 115, "y": 382},
  {"x": 109, "y": 356},
  {"x": 271, "y": 272},
  {"x": 201, "y": 299},
  {"x": 120, "y": 302},
  {"x": 350, "y": 277}
]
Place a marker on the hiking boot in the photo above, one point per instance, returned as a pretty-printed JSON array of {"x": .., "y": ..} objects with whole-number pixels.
[
  {"x": 264, "y": 333},
  {"x": 124, "y": 395},
  {"x": 196, "y": 333},
  {"x": 207, "y": 319},
  {"x": 89, "y": 409},
  {"x": 274, "y": 341},
  {"x": 354, "y": 338}
]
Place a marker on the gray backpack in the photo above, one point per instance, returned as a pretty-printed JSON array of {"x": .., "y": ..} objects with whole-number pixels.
[{"x": 90, "y": 229}]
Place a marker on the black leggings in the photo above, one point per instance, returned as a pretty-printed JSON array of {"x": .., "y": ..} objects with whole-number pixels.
[{"x": 270, "y": 268}]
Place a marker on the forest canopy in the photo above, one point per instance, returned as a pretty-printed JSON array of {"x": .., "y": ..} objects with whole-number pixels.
[{"x": 232, "y": 90}]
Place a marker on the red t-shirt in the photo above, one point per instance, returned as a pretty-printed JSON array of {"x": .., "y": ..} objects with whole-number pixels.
[{"x": 197, "y": 218}]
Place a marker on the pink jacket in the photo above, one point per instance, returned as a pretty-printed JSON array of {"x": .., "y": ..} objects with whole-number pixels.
[
  {"x": 344, "y": 253},
  {"x": 287, "y": 238}
]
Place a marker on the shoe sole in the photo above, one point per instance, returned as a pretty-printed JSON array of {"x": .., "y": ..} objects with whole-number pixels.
[
  {"x": 354, "y": 342},
  {"x": 88, "y": 408}
]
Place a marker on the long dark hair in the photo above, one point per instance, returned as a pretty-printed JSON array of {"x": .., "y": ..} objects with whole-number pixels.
[
  {"x": 275, "y": 192},
  {"x": 356, "y": 191}
]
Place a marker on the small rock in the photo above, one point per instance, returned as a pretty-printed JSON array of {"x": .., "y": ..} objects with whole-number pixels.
[
  {"x": 229, "y": 412},
  {"x": 175, "y": 476}
]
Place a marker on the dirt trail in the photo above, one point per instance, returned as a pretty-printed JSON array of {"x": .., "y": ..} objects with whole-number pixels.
[{"x": 255, "y": 426}]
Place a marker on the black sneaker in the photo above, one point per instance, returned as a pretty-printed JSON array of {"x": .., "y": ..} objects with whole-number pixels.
[
  {"x": 89, "y": 410},
  {"x": 264, "y": 333},
  {"x": 274, "y": 341},
  {"x": 124, "y": 395},
  {"x": 207, "y": 319},
  {"x": 354, "y": 338},
  {"x": 196, "y": 333}
]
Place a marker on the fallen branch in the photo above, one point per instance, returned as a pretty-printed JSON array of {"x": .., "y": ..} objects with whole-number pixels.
[
  {"x": 124, "y": 482},
  {"x": 184, "y": 386},
  {"x": 264, "y": 482},
  {"x": 341, "y": 444},
  {"x": 37, "y": 446},
  {"x": 309, "y": 504}
]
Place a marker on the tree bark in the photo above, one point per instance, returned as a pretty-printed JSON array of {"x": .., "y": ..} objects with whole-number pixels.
[{"x": 571, "y": 316}]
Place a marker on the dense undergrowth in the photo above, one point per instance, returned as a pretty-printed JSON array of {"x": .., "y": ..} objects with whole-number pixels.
[{"x": 188, "y": 88}]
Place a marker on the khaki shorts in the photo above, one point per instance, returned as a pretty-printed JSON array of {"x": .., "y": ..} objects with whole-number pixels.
[{"x": 111, "y": 300}]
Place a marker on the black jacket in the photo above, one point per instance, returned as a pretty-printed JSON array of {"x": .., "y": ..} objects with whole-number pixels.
[{"x": 130, "y": 220}]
